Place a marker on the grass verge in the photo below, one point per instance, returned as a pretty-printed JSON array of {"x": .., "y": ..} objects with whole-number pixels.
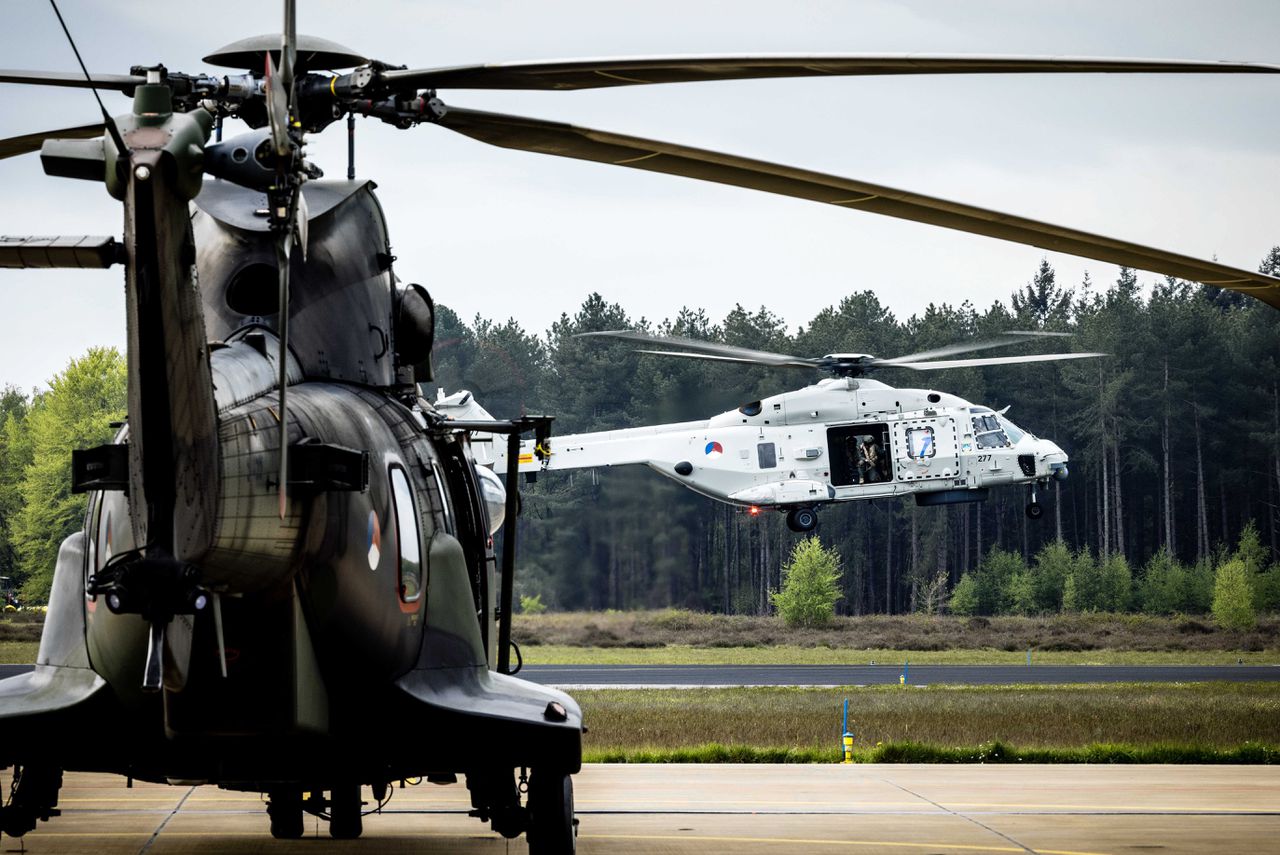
[
  {"x": 683, "y": 654},
  {"x": 916, "y": 752},
  {"x": 18, "y": 652},
  {"x": 1208, "y": 717},
  {"x": 1058, "y": 633}
]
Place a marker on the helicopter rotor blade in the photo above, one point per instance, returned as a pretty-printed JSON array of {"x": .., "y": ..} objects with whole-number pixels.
[
  {"x": 711, "y": 349},
  {"x": 716, "y": 358},
  {"x": 288, "y": 48},
  {"x": 993, "y": 360},
  {"x": 565, "y": 140},
  {"x": 125, "y": 83},
  {"x": 277, "y": 108},
  {"x": 1005, "y": 340},
  {"x": 283, "y": 244},
  {"x": 636, "y": 71},
  {"x": 27, "y": 143}
]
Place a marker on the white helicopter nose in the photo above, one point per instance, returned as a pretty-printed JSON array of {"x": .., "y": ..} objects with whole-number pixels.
[{"x": 1054, "y": 458}]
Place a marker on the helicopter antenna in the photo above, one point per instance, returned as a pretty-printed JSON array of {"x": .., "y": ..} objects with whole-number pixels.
[{"x": 106, "y": 117}]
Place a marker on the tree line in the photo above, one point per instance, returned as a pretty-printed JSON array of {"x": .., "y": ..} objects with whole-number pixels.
[{"x": 1174, "y": 441}]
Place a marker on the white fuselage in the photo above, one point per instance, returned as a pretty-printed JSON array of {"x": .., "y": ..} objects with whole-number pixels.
[{"x": 838, "y": 440}]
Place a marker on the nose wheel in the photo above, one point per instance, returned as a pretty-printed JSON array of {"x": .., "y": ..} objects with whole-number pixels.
[
  {"x": 1035, "y": 510},
  {"x": 802, "y": 519}
]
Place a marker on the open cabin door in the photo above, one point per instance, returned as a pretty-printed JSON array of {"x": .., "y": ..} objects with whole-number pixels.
[{"x": 926, "y": 449}]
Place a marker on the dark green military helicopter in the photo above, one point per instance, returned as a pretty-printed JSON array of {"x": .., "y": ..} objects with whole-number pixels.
[{"x": 286, "y": 580}]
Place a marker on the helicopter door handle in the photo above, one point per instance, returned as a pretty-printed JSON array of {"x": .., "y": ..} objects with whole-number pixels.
[{"x": 382, "y": 335}]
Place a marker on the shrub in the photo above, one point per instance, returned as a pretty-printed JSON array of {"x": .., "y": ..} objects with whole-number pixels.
[
  {"x": 1020, "y": 595},
  {"x": 995, "y": 575},
  {"x": 532, "y": 605},
  {"x": 964, "y": 598},
  {"x": 810, "y": 585},
  {"x": 1163, "y": 589},
  {"x": 1049, "y": 575},
  {"x": 1233, "y": 596},
  {"x": 1115, "y": 588}
]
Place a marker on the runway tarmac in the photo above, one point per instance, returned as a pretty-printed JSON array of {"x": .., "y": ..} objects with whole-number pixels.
[
  {"x": 636, "y": 676},
  {"x": 675, "y": 676},
  {"x": 932, "y": 810}
]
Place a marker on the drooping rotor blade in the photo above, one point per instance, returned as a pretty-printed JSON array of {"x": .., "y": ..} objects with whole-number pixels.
[
  {"x": 31, "y": 142},
  {"x": 994, "y": 360},
  {"x": 120, "y": 82},
  {"x": 707, "y": 348},
  {"x": 288, "y": 47},
  {"x": 710, "y": 357},
  {"x": 277, "y": 108},
  {"x": 564, "y": 140},
  {"x": 633, "y": 71},
  {"x": 283, "y": 243},
  {"x": 1007, "y": 338}
]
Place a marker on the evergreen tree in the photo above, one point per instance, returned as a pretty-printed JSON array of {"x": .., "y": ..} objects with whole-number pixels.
[
  {"x": 1233, "y": 596},
  {"x": 810, "y": 585}
]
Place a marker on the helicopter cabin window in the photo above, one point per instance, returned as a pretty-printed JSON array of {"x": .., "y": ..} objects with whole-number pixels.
[
  {"x": 859, "y": 454},
  {"x": 987, "y": 430},
  {"x": 768, "y": 453},
  {"x": 407, "y": 536},
  {"x": 921, "y": 443}
]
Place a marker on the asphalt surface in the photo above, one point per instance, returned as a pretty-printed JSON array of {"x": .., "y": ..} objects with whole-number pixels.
[
  {"x": 663, "y": 676},
  {"x": 635, "y": 676},
  {"x": 701, "y": 810}
]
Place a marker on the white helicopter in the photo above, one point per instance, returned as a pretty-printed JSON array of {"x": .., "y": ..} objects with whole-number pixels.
[{"x": 843, "y": 439}]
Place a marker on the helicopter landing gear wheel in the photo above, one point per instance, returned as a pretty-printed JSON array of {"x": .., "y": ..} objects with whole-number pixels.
[
  {"x": 1035, "y": 510},
  {"x": 284, "y": 807},
  {"x": 345, "y": 822},
  {"x": 802, "y": 519},
  {"x": 552, "y": 827}
]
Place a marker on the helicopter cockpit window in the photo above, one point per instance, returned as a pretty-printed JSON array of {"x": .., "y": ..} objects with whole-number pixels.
[
  {"x": 1014, "y": 432},
  {"x": 988, "y": 432},
  {"x": 752, "y": 409},
  {"x": 407, "y": 536}
]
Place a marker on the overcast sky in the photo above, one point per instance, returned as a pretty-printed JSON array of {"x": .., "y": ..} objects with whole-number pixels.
[{"x": 1189, "y": 163}]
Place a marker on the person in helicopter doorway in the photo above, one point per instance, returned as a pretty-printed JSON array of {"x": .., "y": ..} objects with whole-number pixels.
[{"x": 869, "y": 460}]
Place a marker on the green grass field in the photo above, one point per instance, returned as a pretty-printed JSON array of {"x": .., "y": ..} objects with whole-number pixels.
[
  {"x": 684, "y": 654},
  {"x": 18, "y": 652},
  {"x": 1190, "y": 721}
]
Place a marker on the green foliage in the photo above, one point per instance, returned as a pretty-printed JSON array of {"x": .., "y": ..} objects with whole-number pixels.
[
  {"x": 1053, "y": 564},
  {"x": 964, "y": 597},
  {"x": 996, "y": 574},
  {"x": 1233, "y": 596},
  {"x": 1163, "y": 588},
  {"x": 76, "y": 412},
  {"x": 532, "y": 604},
  {"x": 1085, "y": 589},
  {"x": 1020, "y": 595},
  {"x": 1115, "y": 585},
  {"x": 810, "y": 585}
]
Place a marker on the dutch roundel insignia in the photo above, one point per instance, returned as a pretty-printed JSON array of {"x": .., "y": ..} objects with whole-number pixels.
[
  {"x": 714, "y": 449},
  {"x": 375, "y": 540}
]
